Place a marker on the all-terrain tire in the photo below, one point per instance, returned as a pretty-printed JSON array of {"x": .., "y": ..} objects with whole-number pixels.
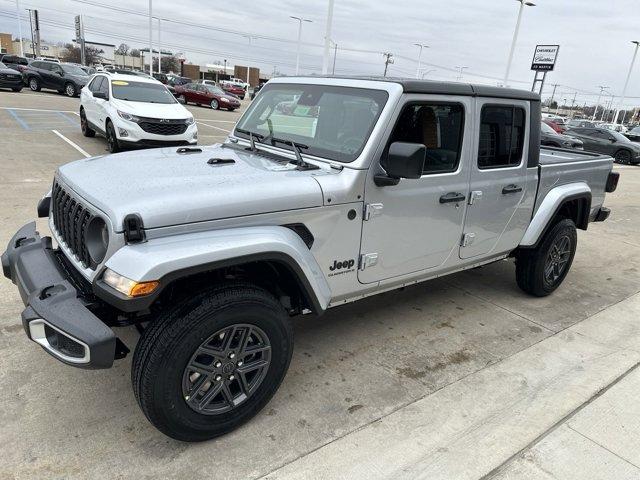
[
  {"x": 541, "y": 270},
  {"x": 169, "y": 345}
]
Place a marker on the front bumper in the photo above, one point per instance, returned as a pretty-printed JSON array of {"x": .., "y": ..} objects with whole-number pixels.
[
  {"x": 55, "y": 317},
  {"x": 11, "y": 82}
]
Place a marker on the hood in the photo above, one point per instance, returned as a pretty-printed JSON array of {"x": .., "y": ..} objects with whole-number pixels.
[
  {"x": 168, "y": 188},
  {"x": 171, "y": 111},
  {"x": 81, "y": 79},
  {"x": 9, "y": 71}
]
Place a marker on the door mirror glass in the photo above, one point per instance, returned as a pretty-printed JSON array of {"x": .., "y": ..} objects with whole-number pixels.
[
  {"x": 405, "y": 160},
  {"x": 101, "y": 95}
]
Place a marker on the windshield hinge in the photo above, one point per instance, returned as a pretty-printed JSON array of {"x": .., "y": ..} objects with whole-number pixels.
[{"x": 372, "y": 210}]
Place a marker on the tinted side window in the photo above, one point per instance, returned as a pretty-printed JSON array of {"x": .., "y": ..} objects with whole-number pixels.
[
  {"x": 95, "y": 84},
  {"x": 602, "y": 134},
  {"x": 501, "y": 136},
  {"x": 439, "y": 127},
  {"x": 36, "y": 64},
  {"x": 104, "y": 86}
]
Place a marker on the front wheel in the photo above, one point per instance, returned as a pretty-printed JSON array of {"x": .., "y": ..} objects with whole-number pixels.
[
  {"x": 34, "y": 84},
  {"x": 112, "y": 140},
  {"x": 212, "y": 361},
  {"x": 541, "y": 270},
  {"x": 214, "y": 104},
  {"x": 70, "y": 90}
]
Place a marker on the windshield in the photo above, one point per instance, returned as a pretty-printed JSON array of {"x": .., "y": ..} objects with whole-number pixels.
[
  {"x": 619, "y": 136},
  {"x": 331, "y": 122},
  {"x": 73, "y": 70},
  {"x": 141, "y": 92},
  {"x": 213, "y": 89},
  {"x": 547, "y": 129}
]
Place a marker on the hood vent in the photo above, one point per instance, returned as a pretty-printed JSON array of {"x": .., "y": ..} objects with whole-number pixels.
[{"x": 220, "y": 161}]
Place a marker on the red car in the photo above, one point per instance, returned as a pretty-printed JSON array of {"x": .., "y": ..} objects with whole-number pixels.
[
  {"x": 236, "y": 90},
  {"x": 202, "y": 94},
  {"x": 554, "y": 125}
]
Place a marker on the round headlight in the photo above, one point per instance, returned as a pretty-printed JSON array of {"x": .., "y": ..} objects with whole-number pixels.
[{"x": 97, "y": 239}]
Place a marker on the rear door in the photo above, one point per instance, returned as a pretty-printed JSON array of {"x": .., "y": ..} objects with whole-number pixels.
[
  {"x": 416, "y": 225},
  {"x": 45, "y": 71},
  {"x": 90, "y": 106},
  {"x": 496, "y": 219}
]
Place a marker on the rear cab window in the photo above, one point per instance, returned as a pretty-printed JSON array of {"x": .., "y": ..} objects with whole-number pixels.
[{"x": 502, "y": 133}]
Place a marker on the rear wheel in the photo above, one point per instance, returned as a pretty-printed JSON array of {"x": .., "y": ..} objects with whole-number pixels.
[
  {"x": 623, "y": 157},
  {"x": 214, "y": 104},
  {"x": 541, "y": 270},
  {"x": 84, "y": 125},
  {"x": 112, "y": 140},
  {"x": 212, "y": 361},
  {"x": 34, "y": 84}
]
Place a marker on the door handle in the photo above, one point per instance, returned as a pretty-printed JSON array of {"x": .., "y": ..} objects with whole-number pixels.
[
  {"x": 511, "y": 189},
  {"x": 452, "y": 197}
]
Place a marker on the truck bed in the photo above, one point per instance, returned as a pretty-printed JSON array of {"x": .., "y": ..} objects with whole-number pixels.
[{"x": 559, "y": 166}]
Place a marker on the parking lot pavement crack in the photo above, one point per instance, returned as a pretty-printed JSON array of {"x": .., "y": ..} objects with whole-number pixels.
[
  {"x": 601, "y": 446},
  {"x": 562, "y": 421}
]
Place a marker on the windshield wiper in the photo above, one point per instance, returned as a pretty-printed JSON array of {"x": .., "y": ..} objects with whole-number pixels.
[{"x": 297, "y": 147}]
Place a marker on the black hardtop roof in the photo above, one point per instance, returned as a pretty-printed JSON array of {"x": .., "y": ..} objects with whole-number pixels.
[{"x": 411, "y": 85}]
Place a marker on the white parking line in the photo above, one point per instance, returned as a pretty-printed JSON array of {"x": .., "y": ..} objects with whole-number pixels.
[
  {"x": 215, "y": 121},
  {"x": 213, "y": 126},
  {"x": 86, "y": 155},
  {"x": 36, "y": 109}
]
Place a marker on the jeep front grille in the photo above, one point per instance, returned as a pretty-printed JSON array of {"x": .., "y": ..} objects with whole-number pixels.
[{"x": 70, "y": 219}]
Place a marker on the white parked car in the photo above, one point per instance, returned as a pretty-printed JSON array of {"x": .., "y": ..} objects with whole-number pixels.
[
  {"x": 236, "y": 81},
  {"x": 134, "y": 111}
]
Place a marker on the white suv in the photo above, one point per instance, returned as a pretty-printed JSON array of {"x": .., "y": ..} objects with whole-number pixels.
[{"x": 134, "y": 111}]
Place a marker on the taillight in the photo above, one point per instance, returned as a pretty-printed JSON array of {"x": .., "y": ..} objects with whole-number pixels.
[{"x": 612, "y": 182}]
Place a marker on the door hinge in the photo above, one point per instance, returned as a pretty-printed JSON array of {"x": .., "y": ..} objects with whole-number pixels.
[
  {"x": 467, "y": 239},
  {"x": 372, "y": 210},
  {"x": 367, "y": 260},
  {"x": 475, "y": 195}
]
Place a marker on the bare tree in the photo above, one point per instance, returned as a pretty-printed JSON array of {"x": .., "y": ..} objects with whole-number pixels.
[
  {"x": 123, "y": 49},
  {"x": 71, "y": 53}
]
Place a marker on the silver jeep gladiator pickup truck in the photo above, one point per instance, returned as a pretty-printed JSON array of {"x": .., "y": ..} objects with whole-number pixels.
[{"x": 328, "y": 190}]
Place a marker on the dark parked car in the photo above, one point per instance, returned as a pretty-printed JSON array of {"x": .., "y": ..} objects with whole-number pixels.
[
  {"x": 235, "y": 90},
  {"x": 608, "y": 142},
  {"x": 550, "y": 138},
  {"x": 14, "y": 62},
  {"x": 175, "y": 80},
  {"x": 63, "y": 77},
  {"x": 9, "y": 78},
  {"x": 211, "y": 95}
]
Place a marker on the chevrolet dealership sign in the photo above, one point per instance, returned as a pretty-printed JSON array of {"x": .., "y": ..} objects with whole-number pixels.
[{"x": 544, "y": 58}]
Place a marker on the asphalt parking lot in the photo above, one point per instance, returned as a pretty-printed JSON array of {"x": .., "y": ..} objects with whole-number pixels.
[{"x": 460, "y": 377}]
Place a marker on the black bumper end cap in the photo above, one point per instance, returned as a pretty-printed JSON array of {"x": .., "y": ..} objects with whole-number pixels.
[
  {"x": 602, "y": 214},
  {"x": 44, "y": 206}
]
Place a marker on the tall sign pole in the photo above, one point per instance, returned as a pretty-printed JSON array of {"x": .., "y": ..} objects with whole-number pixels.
[
  {"x": 327, "y": 40},
  {"x": 80, "y": 38},
  {"x": 150, "y": 38},
  {"x": 19, "y": 27},
  {"x": 36, "y": 27}
]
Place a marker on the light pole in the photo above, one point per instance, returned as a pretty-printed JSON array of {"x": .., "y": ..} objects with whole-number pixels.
[
  {"x": 426, "y": 72},
  {"x": 159, "y": 49},
  {"x": 300, "y": 20},
  {"x": 248, "y": 69},
  {"x": 595, "y": 111},
  {"x": 626, "y": 83},
  {"x": 420, "y": 46},
  {"x": 150, "y": 38},
  {"x": 515, "y": 39},
  {"x": 460, "y": 69},
  {"x": 19, "y": 27},
  {"x": 327, "y": 39},
  {"x": 335, "y": 54}
]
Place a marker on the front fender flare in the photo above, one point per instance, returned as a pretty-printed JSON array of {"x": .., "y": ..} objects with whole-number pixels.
[
  {"x": 169, "y": 258},
  {"x": 550, "y": 206}
]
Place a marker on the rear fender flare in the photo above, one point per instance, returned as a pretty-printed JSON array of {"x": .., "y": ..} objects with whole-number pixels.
[{"x": 550, "y": 206}]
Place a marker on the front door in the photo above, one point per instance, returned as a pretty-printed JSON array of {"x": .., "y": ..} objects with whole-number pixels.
[
  {"x": 417, "y": 224},
  {"x": 495, "y": 219}
]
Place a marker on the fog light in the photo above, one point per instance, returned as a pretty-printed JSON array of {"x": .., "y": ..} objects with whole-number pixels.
[
  {"x": 195, "y": 135},
  {"x": 127, "y": 286},
  {"x": 123, "y": 132}
]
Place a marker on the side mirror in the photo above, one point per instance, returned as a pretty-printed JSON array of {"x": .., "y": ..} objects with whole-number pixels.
[
  {"x": 101, "y": 95},
  {"x": 60, "y": 72},
  {"x": 404, "y": 160},
  {"x": 612, "y": 140}
]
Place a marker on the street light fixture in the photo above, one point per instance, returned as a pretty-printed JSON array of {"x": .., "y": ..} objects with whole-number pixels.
[
  {"x": 459, "y": 77},
  {"x": 515, "y": 38},
  {"x": 300, "y": 20},
  {"x": 626, "y": 83},
  {"x": 426, "y": 72},
  {"x": 421, "y": 46}
]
